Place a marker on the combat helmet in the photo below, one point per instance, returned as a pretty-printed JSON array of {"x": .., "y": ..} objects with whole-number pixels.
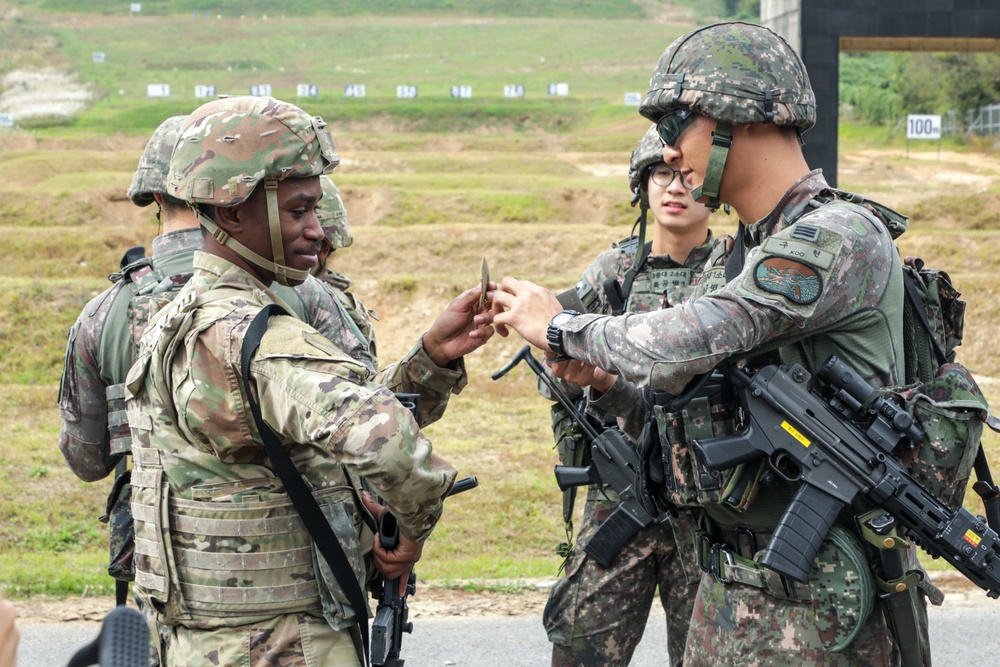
[
  {"x": 151, "y": 174},
  {"x": 332, "y": 215},
  {"x": 228, "y": 146},
  {"x": 648, "y": 153},
  {"x": 737, "y": 74}
]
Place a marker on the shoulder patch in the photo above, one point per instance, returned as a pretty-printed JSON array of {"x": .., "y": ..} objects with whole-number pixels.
[
  {"x": 805, "y": 232},
  {"x": 794, "y": 280}
]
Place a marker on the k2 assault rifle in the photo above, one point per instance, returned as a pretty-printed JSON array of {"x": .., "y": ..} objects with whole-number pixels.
[
  {"x": 614, "y": 461},
  {"x": 814, "y": 439}
]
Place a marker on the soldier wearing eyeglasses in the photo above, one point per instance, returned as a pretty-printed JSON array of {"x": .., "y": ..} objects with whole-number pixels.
[{"x": 595, "y": 615}]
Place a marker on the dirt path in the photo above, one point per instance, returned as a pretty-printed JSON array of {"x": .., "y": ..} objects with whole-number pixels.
[{"x": 430, "y": 601}]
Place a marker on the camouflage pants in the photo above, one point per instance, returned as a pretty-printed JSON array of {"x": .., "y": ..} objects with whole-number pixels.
[
  {"x": 597, "y": 617},
  {"x": 293, "y": 640},
  {"x": 735, "y": 624}
]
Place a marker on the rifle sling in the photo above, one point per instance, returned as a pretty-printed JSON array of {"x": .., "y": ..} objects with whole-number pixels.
[
  {"x": 295, "y": 485},
  {"x": 121, "y": 587}
]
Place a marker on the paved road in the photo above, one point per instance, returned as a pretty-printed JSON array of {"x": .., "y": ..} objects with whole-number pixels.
[{"x": 964, "y": 633}]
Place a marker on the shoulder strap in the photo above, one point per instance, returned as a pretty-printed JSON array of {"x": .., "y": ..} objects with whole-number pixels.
[
  {"x": 296, "y": 487},
  {"x": 617, "y": 294},
  {"x": 917, "y": 303}
]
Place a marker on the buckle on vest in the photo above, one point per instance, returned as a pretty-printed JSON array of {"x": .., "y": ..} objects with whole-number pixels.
[{"x": 710, "y": 557}]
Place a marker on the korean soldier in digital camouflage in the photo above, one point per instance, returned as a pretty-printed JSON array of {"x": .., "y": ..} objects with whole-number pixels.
[
  {"x": 819, "y": 276},
  {"x": 231, "y": 575},
  {"x": 94, "y": 437},
  {"x": 596, "y": 616}
]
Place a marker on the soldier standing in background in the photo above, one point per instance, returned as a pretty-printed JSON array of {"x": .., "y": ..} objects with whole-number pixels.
[
  {"x": 821, "y": 276},
  {"x": 332, "y": 216},
  {"x": 232, "y": 577},
  {"x": 596, "y": 616}
]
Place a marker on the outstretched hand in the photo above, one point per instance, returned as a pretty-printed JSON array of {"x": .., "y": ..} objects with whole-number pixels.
[
  {"x": 460, "y": 329},
  {"x": 397, "y": 563},
  {"x": 526, "y": 308}
]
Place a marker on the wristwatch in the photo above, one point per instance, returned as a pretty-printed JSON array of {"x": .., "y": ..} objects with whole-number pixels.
[{"x": 554, "y": 334}]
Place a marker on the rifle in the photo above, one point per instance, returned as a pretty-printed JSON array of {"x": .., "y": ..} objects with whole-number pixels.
[
  {"x": 814, "y": 440},
  {"x": 392, "y": 613},
  {"x": 614, "y": 461}
]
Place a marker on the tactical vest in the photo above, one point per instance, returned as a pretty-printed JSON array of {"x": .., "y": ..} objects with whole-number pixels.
[
  {"x": 232, "y": 551},
  {"x": 709, "y": 414},
  {"x": 142, "y": 291}
]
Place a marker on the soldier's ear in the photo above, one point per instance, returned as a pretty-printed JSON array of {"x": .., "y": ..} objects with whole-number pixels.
[{"x": 228, "y": 218}]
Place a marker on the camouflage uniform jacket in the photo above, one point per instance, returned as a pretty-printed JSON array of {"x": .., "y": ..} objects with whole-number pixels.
[
  {"x": 819, "y": 279},
  {"x": 192, "y": 428},
  {"x": 704, "y": 266},
  {"x": 845, "y": 298},
  {"x": 92, "y": 444}
]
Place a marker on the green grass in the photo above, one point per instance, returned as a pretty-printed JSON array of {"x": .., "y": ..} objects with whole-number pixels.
[
  {"x": 433, "y": 185},
  {"x": 433, "y": 55},
  {"x": 609, "y": 9}
]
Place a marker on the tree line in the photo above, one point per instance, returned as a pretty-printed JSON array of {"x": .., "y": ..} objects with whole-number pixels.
[{"x": 879, "y": 88}]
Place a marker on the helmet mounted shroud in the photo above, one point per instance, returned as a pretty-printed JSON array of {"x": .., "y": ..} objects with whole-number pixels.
[
  {"x": 151, "y": 175},
  {"x": 736, "y": 74},
  {"x": 230, "y": 145}
]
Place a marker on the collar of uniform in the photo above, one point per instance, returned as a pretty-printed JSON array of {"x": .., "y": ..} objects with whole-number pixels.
[
  {"x": 182, "y": 240},
  {"x": 695, "y": 259},
  {"x": 227, "y": 274},
  {"x": 789, "y": 207},
  {"x": 172, "y": 251}
]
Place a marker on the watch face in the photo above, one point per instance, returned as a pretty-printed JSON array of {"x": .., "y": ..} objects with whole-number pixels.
[{"x": 563, "y": 317}]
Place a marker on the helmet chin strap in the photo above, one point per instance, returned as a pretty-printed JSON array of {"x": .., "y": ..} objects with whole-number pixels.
[
  {"x": 722, "y": 140},
  {"x": 282, "y": 273}
]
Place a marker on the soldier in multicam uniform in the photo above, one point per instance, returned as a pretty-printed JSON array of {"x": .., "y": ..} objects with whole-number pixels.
[
  {"x": 231, "y": 575},
  {"x": 596, "y": 616},
  {"x": 821, "y": 276},
  {"x": 101, "y": 347},
  {"x": 332, "y": 217}
]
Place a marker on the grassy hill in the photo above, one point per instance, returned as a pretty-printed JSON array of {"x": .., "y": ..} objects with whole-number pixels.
[{"x": 432, "y": 185}]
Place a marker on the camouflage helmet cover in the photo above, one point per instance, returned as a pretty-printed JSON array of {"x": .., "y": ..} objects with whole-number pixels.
[
  {"x": 332, "y": 215},
  {"x": 736, "y": 72},
  {"x": 648, "y": 153},
  {"x": 151, "y": 174},
  {"x": 229, "y": 145}
]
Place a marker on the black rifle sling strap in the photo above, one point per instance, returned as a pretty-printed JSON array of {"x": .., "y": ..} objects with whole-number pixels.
[
  {"x": 121, "y": 587},
  {"x": 617, "y": 295},
  {"x": 296, "y": 487},
  {"x": 917, "y": 303}
]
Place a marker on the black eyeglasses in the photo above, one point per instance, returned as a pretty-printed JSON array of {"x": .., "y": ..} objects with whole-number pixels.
[
  {"x": 672, "y": 125},
  {"x": 663, "y": 176}
]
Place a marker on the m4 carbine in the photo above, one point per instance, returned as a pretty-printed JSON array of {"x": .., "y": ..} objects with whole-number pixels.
[{"x": 815, "y": 440}]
